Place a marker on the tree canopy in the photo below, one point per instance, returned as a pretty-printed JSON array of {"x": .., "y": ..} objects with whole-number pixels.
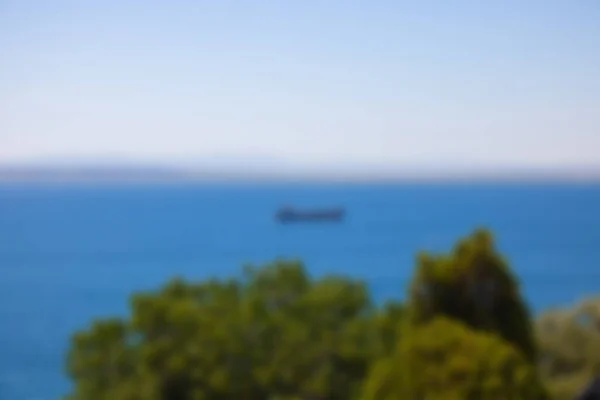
[
  {"x": 467, "y": 334},
  {"x": 445, "y": 359},
  {"x": 273, "y": 333},
  {"x": 276, "y": 333},
  {"x": 472, "y": 284}
]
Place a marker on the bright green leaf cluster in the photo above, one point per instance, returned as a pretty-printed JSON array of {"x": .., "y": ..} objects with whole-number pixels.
[
  {"x": 275, "y": 333},
  {"x": 444, "y": 359}
]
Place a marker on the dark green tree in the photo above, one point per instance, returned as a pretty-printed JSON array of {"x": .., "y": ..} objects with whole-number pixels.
[
  {"x": 472, "y": 284},
  {"x": 446, "y": 360},
  {"x": 273, "y": 333}
]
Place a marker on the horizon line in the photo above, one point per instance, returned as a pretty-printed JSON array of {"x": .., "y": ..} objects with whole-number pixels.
[{"x": 164, "y": 173}]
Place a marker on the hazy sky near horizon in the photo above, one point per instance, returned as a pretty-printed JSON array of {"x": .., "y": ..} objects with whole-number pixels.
[{"x": 493, "y": 83}]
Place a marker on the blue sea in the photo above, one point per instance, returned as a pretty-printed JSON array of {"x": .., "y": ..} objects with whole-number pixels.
[{"x": 71, "y": 253}]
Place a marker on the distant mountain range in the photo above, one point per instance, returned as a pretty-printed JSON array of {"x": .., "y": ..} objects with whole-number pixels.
[{"x": 107, "y": 172}]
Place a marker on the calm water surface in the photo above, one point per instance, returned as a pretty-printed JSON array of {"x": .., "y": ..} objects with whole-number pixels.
[{"x": 72, "y": 253}]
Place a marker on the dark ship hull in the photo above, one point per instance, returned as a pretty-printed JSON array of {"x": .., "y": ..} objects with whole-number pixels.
[{"x": 318, "y": 215}]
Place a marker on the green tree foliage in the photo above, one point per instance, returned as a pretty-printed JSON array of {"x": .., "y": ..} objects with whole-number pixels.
[
  {"x": 274, "y": 333},
  {"x": 389, "y": 321},
  {"x": 569, "y": 342},
  {"x": 472, "y": 284},
  {"x": 446, "y": 360}
]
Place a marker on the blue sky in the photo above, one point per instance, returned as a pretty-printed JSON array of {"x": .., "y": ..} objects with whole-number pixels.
[{"x": 312, "y": 83}]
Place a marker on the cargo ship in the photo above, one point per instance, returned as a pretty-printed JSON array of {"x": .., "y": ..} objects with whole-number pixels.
[{"x": 289, "y": 214}]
